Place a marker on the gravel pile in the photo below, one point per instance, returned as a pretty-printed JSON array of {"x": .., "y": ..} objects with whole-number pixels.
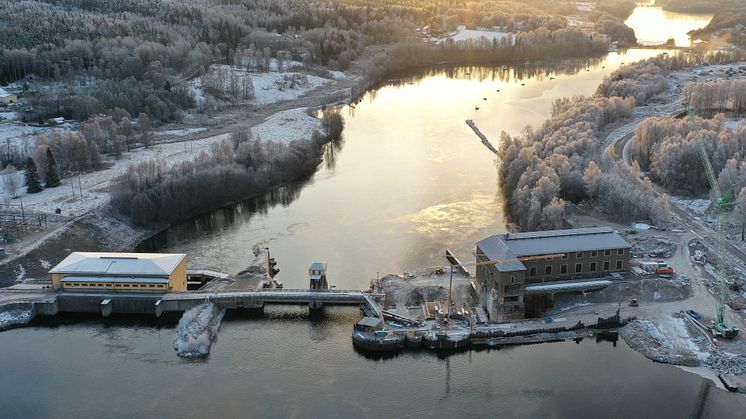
[
  {"x": 645, "y": 338},
  {"x": 727, "y": 363},
  {"x": 653, "y": 247}
]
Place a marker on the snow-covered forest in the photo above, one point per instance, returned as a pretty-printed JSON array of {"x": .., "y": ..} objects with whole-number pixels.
[
  {"x": 136, "y": 55},
  {"x": 563, "y": 160},
  {"x": 152, "y": 192}
]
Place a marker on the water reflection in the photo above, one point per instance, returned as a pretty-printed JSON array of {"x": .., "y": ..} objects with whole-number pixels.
[{"x": 655, "y": 26}]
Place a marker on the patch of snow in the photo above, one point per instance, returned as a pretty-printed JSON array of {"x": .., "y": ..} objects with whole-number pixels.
[
  {"x": 731, "y": 124},
  {"x": 337, "y": 75},
  {"x": 20, "y": 273},
  {"x": 180, "y": 132},
  {"x": 268, "y": 87},
  {"x": 696, "y": 207},
  {"x": 8, "y": 116},
  {"x": 641, "y": 226},
  {"x": 95, "y": 185},
  {"x": 463, "y": 34},
  {"x": 45, "y": 264},
  {"x": 576, "y": 305},
  {"x": 682, "y": 333},
  {"x": 288, "y": 126}
]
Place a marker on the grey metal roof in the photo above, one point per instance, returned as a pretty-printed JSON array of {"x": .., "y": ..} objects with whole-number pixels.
[
  {"x": 115, "y": 279},
  {"x": 370, "y": 322},
  {"x": 318, "y": 266},
  {"x": 506, "y": 247},
  {"x": 566, "y": 286},
  {"x": 124, "y": 264}
]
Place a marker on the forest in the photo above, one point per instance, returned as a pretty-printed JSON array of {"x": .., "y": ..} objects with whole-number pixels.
[
  {"x": 136, "y": 55},
  {"x": 152, "y": 193},
  {"x": 563, "y": 160}
]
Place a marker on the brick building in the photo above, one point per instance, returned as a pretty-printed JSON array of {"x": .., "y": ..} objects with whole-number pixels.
[{"x": 515, "y": 266}]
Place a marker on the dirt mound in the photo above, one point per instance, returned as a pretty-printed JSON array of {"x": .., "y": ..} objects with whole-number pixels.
[{"x": 652, "y": 247}]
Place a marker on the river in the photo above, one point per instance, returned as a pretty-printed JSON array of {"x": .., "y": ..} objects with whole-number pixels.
[
  {"x": 655, "y": 26},
  {"x": 409, "y": 180}
]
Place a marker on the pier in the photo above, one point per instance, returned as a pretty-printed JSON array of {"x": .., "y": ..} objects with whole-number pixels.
[{"x": 481, "y": 136}]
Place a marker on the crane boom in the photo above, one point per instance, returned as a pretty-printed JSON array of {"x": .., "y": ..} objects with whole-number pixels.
[{"x": 721, "y": 203}]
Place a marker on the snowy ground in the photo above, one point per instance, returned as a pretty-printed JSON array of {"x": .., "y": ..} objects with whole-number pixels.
[
  {"x": 696, "y": 207},
  {"x": 95, "y": 184},
  {"x": 288, "y": 126},
  {"x": 270, "y": 87},
  {"x": 180, "y": 132},
  {"x": 476, "y": 34},
  {"x": 15, "y": 131},
  {"x": 284, "y": 127}
]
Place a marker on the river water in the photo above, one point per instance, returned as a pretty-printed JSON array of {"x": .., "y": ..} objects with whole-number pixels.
[
  {"x": 290, "y": 365},
  {"x": 409, "y": 180},
  {"x": 655, "y": 26}
]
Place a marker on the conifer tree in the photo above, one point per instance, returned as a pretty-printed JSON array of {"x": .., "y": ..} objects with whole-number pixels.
[
  {"x": 33, "y": 184},
  {"x": 51, "y": 177}
]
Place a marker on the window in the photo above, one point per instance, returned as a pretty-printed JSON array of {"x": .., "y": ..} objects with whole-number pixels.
[
  {"x": 532, "y": 272},
  {"x": 607, "y": 252},
  {"x": 99, "y": 285},
  {"x": 76, "y": 284},
  {"x": 511, "y": 299},
  {"x": 151, "y": 286},
  {"x": 126, "y": 285},
  {"x": 594, "y": 253},
  {"x": 563, "y": 269},
  {"x": 619, "y": 264},
  {"x": 118, "y": 285},
  {"x": 108, "y": 285},
  {"x": 606, "y": 265},
  {"x": 579, "y": 255},
  {"x": 619, "y": 251},
  {"x": 578, "y": 267},
  {"x": 548, "y": 270},
  {"x": 512, "y": 279},
  {"x": 593, "y": 266}
]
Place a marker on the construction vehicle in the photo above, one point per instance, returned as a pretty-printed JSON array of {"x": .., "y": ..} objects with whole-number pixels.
[
  {"x": 721, "y": 202},
  {"x": 634, "y": 303}
]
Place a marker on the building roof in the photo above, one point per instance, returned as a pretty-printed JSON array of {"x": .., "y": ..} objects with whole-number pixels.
[
  {"x": 566, "y": 286},
  {"x": 318, "y": 266},
  {"x": 4, "y": 93},
  {"x": 509, "y": 247},
  {"x": 115, "y": 279},
  {"x": 370, "y": 322},
  {"x": 119, "y": 264}
]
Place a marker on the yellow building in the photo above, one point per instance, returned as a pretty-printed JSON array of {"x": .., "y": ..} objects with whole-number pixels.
[
  {"x": 158, "y": 272},
  {"x": 6, "y": 97}
]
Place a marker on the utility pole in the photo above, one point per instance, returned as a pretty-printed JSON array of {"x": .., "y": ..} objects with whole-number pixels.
[
  {"x": 80, "y": 186},
  {"x": 448, "y": 305}
]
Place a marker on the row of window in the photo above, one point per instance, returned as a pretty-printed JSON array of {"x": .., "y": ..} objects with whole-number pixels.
[
  {"x": 103, "y": 285},
  {"x": 594, "y": 253},
  {"x": 578, "y": 268}
]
